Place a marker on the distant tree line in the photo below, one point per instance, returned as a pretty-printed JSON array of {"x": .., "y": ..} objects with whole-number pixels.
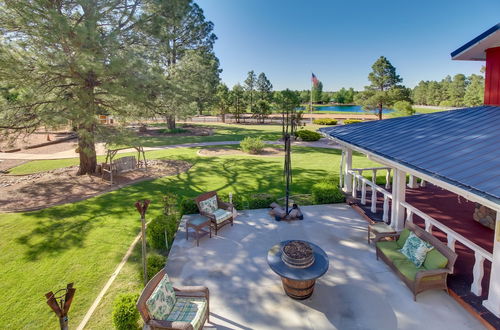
[
  {"x": 255, "y": 96},
  {"x": 451, "y": 92}
]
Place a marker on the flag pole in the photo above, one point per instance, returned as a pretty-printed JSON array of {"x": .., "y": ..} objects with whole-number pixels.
[{"x": 311, "y": 103}]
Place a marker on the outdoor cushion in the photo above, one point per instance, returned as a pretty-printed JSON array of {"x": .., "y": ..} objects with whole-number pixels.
[
  {"x": 435, "y": 260},
  {"x": 416, "y": 249},
  {"x": 391, "y": 250},
  {"x": 403, "y": 236},
  {"x": 189, "y": 310},
  {"x": 222, "y": 215},
  {"x": 209, "y": 205},
  {"x": 408, "y": 269},
  {"x": 162, "y": 300}
]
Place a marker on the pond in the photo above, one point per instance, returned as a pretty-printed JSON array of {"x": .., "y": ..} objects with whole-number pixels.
[{"x": 345, "y": 108}]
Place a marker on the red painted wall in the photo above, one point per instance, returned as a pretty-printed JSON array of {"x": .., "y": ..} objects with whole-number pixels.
[{"x": 492, "y": 79}]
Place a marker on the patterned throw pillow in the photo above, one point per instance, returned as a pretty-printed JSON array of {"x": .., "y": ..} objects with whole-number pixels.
[
  {"x": 162, "y": 300},
  {"x": 209, "y": 205},
  {"x": 415, "y": 249}
]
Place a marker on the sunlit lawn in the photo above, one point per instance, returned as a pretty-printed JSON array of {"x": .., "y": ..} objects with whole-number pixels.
[
  {"x": 83, "y": 242},
  {"x": 222, "y": 132}
]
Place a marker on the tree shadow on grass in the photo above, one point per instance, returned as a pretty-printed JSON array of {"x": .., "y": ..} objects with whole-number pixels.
[{"x": 55, "y": 235}]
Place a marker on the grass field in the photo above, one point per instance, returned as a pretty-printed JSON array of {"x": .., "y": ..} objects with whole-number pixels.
[
  {"x": 83, "y": 242},
  {"x": 223, "y": 132}
]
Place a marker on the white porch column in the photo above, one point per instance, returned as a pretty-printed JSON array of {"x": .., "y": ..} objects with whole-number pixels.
[
  {"x": 412, "y": 182},
  {"x": 398, "y": 195},
  {"x": 347, "y": 167},
  {"x": 493, "y": 301}
]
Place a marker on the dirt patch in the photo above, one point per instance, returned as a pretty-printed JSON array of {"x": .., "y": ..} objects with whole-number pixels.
[
  {"x": 269, "y": 151},
  {"x": 190, "y": 130},
  {"x": 7, "y": 164},
  {"x": 41, "y": 190},
  {"x": 23, "y": 141}
]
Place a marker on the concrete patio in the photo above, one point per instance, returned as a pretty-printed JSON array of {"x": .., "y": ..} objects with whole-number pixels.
[{"x": 357, "y": 292}]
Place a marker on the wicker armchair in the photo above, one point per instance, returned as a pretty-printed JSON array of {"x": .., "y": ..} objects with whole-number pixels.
[
  {"x": 219, "y": 212},
  {"x": 190, "y": 310}
]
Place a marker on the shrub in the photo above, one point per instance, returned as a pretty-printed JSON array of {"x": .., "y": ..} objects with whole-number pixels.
[
  {"x": 325, "y": 121},
  {"x": 125, "y": 313},
  {"x": 404, "y": 108},
  {"x": 306, "y": 135},
  {"x": 158, "y": 227},
  {"x": 154, "y": 263},
  {"x": 248, "y": 202},
  {"x": 187, "y": 206},
  {"x": 327, "y": 192},
  {"x": 351, "y": 121},
  {"x": 252, "y": 145}
]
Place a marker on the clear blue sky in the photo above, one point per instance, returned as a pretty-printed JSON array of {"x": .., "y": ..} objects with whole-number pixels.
[{"x": 340, "y": 40}]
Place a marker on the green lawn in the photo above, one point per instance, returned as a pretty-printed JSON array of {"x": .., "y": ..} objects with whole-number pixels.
[
  {"x": 223, "y": 132},
  {"x": 427, "y": 110},
  {"x": 83, "y": 242}
]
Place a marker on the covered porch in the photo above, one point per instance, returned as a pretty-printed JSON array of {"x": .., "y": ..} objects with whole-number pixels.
[{"x": 434, "y": 175}]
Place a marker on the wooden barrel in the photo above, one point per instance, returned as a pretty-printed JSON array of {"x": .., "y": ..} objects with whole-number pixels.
[{"x": 298, "y": 289}]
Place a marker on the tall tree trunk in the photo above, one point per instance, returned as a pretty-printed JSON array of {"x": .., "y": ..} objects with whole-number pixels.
[
  {"x": 223, "y": 115},
  {"x": 86, "y": 148},
  {"x": 380, "y": 111},
  {"x": 171, "y": 121}
]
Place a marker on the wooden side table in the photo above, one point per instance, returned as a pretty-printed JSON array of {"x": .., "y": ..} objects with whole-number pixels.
[{"x": 198, "y": 223}]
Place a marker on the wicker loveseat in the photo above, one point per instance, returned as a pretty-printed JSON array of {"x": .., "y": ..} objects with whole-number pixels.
[
  {"x": 434, "y": 271},
  {"x": 174, "y": 307}
]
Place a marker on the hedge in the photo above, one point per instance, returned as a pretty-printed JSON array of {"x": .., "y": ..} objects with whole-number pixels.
[
  {"x": 351, "y": 121},
  {"x": 327, "y": 192},
  {"x": 325, "y": 121},
  {"x": 306, "y": 135},
  {"x": 125, "y": 313}
]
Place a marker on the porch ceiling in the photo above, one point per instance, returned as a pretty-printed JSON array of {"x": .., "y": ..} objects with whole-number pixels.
[{"x": 460, "y": 147}]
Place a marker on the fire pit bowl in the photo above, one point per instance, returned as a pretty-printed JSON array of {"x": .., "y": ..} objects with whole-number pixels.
[
  {"x": 299, "y": 264},
  {"x": 297, "y": 254}
]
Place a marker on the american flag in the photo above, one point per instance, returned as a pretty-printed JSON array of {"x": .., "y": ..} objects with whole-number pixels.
[{"x": 314, "y": 80}]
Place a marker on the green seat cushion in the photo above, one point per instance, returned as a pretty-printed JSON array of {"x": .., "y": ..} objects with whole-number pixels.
[
  {"x": 222, "y": 215},
  {"x": 415, "y": 249},
  {"x": 402, "y": 237},
  {"x": 435, "y": 260},
  {"x": 391, "y": 250},
  {"x": 189, "y": 310},
  {"x": 407, "y": 268},
  {"x": 162, "y": 300}
]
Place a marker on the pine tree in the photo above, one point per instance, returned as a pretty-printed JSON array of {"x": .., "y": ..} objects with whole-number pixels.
[
  {"x": 173, "y": 30},
  {"x": 249, "y": 86},
  {"x": 264, "y": 87},
  {"x": 71, "y": 61},
  {"x": 474, "y": 94}
]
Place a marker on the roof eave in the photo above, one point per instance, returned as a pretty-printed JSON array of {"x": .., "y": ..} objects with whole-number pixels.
[
  {"x": 475, "y": 46},
  {"x": 469, "y": 193}
]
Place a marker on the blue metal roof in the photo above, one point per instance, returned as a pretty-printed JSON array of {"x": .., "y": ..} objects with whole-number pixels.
[
  {"x": 460, "y": 147},
  {"x": 476, "y": 40}
]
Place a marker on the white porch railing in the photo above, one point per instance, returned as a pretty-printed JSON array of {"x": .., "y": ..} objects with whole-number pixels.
[
  {"x": 360, "y": 182},
  {"x": 452, "y": 236}
]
